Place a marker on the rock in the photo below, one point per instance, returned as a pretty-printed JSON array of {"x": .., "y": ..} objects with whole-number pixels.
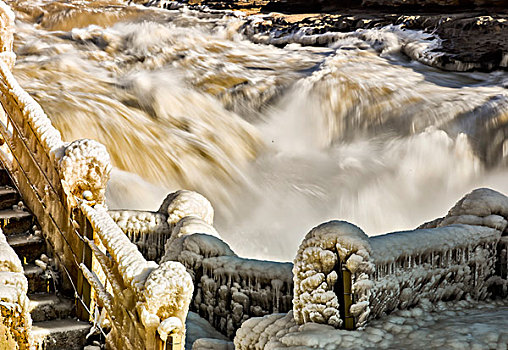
[{"x": 474, "y": 40}]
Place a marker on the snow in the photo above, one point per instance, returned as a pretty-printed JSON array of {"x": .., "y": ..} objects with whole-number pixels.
[
  {"x": 184, "y": 203},
  {"x": 230, "y": 289},
  {"x": 465, "y": 324},
  {"x": 85, "y": 167},
  {"x": 15, "y": 320},
  {"x": 315, "y": 276}
]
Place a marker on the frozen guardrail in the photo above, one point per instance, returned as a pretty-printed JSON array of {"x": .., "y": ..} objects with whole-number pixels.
[
  {"x": 344, "y": 278},
  {"x": 227, "y": 289},
  {"x": 15, "y": 324},
  {"x": 341, "y": 277},
  {"x": 146, "y": 303},
  {"x": 64, "y": 184}
]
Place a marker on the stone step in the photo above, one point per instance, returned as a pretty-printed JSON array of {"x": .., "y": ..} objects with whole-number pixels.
[
  {"x": 15, "y": 221},
  {"x": 27, "y": 245},
  {"x": 47, "y": 307},
  {"x": 4, "y": 177},
  {"x": 9, "y": 196},
  {"x": 39, "y": 280},
  {"x": 68, "y": 334}
]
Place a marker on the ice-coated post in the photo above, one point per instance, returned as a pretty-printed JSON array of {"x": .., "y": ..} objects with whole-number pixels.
[{"x": 328, "y": 257}]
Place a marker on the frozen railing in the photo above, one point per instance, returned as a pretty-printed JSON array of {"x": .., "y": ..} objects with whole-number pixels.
[
  {"x": 344, "y": 278},
  {"x": 230, "y": 289},
  {"x": 15, "y": 317},
  {"x": 63, "y": 184},
  {"x": 180, "y": 212},
  {"x": 148, "y": 230},
  {"x": 146, "y": 303},
  {"x": 227, "y": 289}
]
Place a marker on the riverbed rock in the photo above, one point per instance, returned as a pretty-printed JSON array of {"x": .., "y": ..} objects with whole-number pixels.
[{"x": 468, "y": 41}]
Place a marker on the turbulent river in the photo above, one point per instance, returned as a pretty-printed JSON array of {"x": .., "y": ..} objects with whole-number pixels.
[{"x": 279, "y": 139}]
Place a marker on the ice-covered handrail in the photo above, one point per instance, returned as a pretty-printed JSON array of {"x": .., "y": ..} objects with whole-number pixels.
[
  {"x": 451, "y": 258},
  {"x": 15, "y": 321},
  {"x": 181, "y": 212},
  {"x": 230, "y": 289},
  {"x": 317, "y": 271},
  {"x": 148, "y": 230},
  {"x": 227, "y": 289},
  {"x": 146, "y": 301},
  {"x": 48, "y": 172}
]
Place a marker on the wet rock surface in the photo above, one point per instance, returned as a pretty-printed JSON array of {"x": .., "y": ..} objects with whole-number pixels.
[
  {"x": 469, "y": 38},
  {"x": 468, "y": 41}
]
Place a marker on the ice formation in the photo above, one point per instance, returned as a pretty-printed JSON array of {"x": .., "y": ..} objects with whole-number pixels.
[
  {"x": 461, "y": 256},
  {"x": 181, "y": 213},
  {"x": 147, "y": 298},
  {"x": 398, "y": 270},
  {"x": 230, "y": 289},
  {"x": 464, "y": 324},
  {"x": 317, "y": 269},
  {"x": 148, "y": 230},
  {"x": 85, "y": 166},
  {"x": 227, "y": 289},
  {"x": 15, "y": 320},
  {"x": 6, "y": 35},
  {"x": 183, "y": 203}
]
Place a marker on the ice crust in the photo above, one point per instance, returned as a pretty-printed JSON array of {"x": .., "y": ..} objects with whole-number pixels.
[
  {"x": 15, "y": 320},
  {"x": 315, "y": 270},
  {"x": 228, "y": 289},
  {"x": 461, "y": 257},
  {"x": 181, "y": 213},
  {"x": 147, "y": 297},
  {"x": 85, "y": 166},
  {"x": 148, "y": 230},
  {"x": 465, "y": 324},
  {"x": 180, "y": 204}
]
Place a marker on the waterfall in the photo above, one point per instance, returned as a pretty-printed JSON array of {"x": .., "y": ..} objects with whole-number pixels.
[{"x": 278, "y": 138}]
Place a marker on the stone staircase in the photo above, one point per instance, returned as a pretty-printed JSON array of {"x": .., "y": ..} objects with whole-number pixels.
[{"x": 54, "y": 325}]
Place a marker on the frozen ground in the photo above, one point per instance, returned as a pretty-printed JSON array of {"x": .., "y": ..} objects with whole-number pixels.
[
  {"x": 199, "y": 328},
  {"x": 452, "y": 325}
]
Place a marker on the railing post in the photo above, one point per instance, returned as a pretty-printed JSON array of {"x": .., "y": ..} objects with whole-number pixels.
[
  {"x": 83, "y": 287},
  {"x": 174, "y": 342},
  {"x": 349, "y": 320}
]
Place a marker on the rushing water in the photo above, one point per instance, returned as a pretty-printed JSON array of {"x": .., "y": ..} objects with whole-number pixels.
[{"x": 279, "y": 139}]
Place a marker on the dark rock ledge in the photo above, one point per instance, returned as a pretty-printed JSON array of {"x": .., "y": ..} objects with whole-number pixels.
[
  {"x": 473, "y": 33},
  {"x": 475, "y": 40}
]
